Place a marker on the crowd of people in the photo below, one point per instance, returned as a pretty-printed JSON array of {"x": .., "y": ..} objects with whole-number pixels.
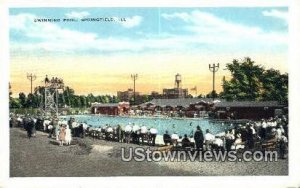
[
  {"x": 131, "y": 133},
  {"x": 63, "y": 130},
  {"x": 267, "y": 134},
  {"x": 251, "y": 136}
]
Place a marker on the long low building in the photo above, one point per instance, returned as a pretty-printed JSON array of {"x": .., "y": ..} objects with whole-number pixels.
[
  {"x": 249, "y": 109},
  {"x": 189, "y": 107},
  {"x": 120, "y": 108},
  {"x": 219, "y": 109}
]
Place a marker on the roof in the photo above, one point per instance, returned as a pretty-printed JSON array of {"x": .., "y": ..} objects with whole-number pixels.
[
  {"x": 184, "y": 102},
  {"x": 248, "y": 104},
  {"x": 108, "y": 104}
]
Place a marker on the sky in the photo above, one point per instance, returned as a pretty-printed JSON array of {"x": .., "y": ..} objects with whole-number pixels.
[{"x": 156, "y": 43}]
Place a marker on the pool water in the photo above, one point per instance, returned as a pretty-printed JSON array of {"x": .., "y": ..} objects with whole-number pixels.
[{"x": 181, "y": 126}]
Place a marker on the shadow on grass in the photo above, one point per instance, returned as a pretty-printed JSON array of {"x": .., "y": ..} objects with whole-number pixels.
[{"x": 54, "y": 142}]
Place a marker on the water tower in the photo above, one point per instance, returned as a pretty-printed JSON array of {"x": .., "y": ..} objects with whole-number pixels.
[{"x": 178, "y": 81}]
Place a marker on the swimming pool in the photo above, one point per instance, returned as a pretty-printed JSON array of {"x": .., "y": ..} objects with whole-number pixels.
[{"x": 181, "y": 126}]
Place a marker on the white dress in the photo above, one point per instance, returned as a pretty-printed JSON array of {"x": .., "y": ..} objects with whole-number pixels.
[{"x": 68, "y": 137}]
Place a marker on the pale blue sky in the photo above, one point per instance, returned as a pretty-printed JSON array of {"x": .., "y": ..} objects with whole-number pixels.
[
  {"x": 223, "y": 30},
  {"x": 156, "y": 43}
]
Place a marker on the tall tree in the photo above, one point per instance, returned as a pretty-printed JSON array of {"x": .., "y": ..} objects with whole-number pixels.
[
  {"x": 275, "y": 86},
  {"x": 69, "y": 96},
  {"x": 22, "y": 98},
  {"x": 252, "y": 82}
]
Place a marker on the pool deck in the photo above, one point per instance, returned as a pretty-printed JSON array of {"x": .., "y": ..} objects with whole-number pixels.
[{"x": 41, "y": 157}]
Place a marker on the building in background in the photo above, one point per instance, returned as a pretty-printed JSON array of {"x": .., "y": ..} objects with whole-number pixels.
[
  {"x": 127, "y": 95},
  {"x": 177, "y": 91},
  {"x": 121, "y": 108}
]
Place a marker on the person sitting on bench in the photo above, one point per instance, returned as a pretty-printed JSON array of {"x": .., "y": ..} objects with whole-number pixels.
[
  {"x": 186, "y": 142},
  {"x": 167, "y": 138}
]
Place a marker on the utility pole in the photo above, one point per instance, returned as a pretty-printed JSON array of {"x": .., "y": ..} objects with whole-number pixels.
[
  {"x": 214, "y": 68},
  {"x": 31, "y": 77},
  {"x": 134, "y": 78}
]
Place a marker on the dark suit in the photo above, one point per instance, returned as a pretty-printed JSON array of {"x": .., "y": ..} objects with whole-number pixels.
[{"x": 199, "y": 138}]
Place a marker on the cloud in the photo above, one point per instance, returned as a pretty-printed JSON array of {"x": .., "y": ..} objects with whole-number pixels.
[
  {"x": 204, "y": 31},
  {"x": 77, "y": 15},
  {"x": 283, "y": 15},
  {"x": 50, "y": 37},
  {"x": 202, "y": 22},
  {"x": 184, "y": 16},
  {"x": 211, "y": 29},
  {"x": 131, "y": 21}
]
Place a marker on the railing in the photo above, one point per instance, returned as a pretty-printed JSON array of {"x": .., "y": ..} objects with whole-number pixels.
[{"x": 234, "y": 121}]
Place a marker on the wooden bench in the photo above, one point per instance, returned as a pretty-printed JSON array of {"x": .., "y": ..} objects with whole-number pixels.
[
  {"x": 269, "y": 144},
  {"x": 165, "y": 148}
]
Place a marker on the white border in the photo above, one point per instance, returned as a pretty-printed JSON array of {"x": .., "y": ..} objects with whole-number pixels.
[
  {"x": 292, "y": 180},
  {"x": 147, "y": 3}
]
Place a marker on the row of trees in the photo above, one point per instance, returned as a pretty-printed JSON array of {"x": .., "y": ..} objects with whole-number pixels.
[
  {"x": 248, "y": 82},
  {"x": 66, "y": 98}
]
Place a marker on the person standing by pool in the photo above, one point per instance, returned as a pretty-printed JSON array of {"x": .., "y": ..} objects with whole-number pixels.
[
  {"x": 55, "y": 126},
  {"x": 119, "y": 133},
  {"x": 279, "y": 132},
  {"x": 153, "y": 133},
  {"x": 174, "y": 138},
  {"x": 208, "y": 139},
  {"x": 128, "y": 131},
  {"x": 283, "y": 146},
  {"x": 62, "y": 135},
  {"x": 70, "y": 123},
  {"x": 33, "y": 120},
  {"x": 263, "y": 130},
  {"x": 199, "y": 138},
  {"x": 144, "y": 132},
  {"x": 167, "y": 138},
  {"x": 135, "y": 133},
  {"x": 29, "y": 123},
  {"x": 229, "y": 139},
  {"x": 250, "y": 136},
  {"x": 68, "y": 137}
]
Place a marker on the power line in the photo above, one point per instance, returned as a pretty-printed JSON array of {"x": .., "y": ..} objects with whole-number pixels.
[
  {"x": 134, "y": 78},
  {"x": 31, "y": 77},
  {"x": 214, "y": 68}
]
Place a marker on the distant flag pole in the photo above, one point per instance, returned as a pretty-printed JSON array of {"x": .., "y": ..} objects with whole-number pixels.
[{"x": 194, "y": 89}]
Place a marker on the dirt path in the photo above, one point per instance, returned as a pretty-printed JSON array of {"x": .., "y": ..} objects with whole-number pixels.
[{"x": 41, "y": 157}]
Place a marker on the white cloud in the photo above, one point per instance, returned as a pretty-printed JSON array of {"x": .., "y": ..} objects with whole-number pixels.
[
  {"x": 203, "y": 29},
  {"x": 276, "y": 14},
  {"x": 184, "y": 16},
  {"x": 53, "y": 38},
  {"x": 131, "y": 21},
  {"x": 77, "y": 15},
  {"x": 210, "y": 29}
]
